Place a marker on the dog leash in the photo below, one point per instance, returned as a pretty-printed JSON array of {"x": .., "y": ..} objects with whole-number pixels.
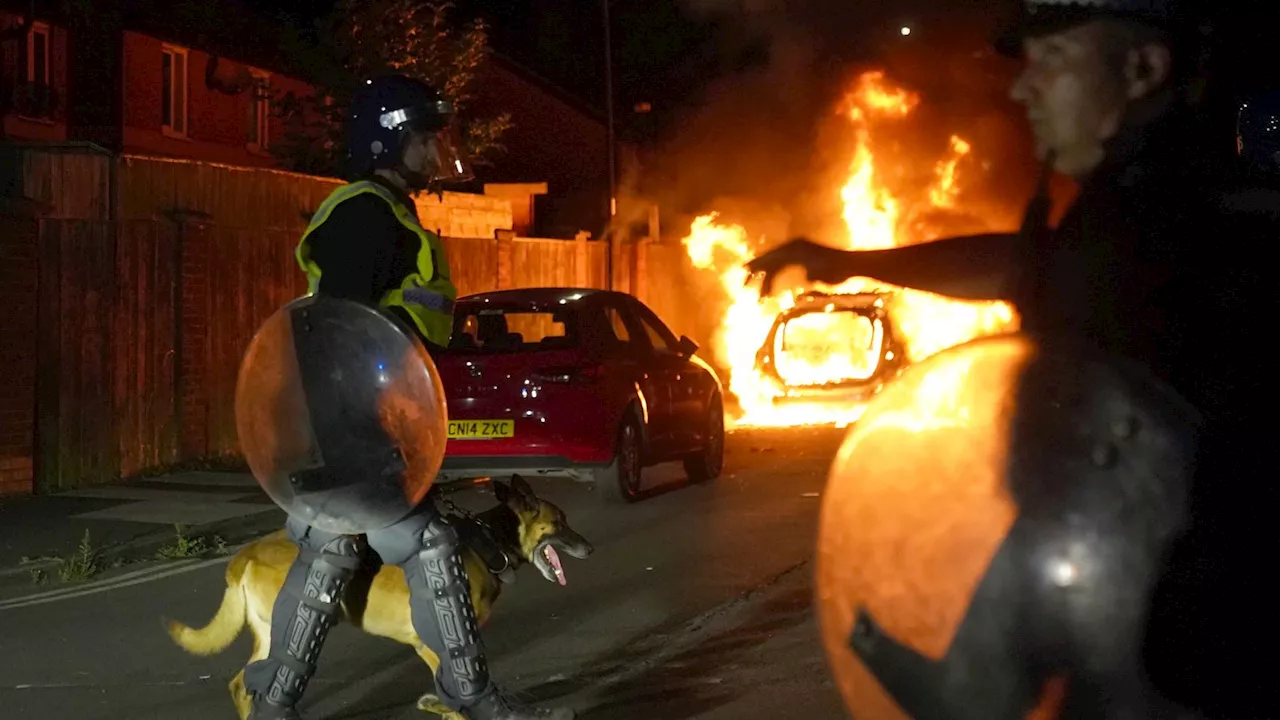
[
  {"x": 442, "y": 497},
  {"x": 462, "y": 512},
  {"x": 442, "y": 494}
]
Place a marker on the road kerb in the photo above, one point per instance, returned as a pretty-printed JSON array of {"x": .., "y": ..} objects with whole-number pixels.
[{"x": 233, "y": 531}]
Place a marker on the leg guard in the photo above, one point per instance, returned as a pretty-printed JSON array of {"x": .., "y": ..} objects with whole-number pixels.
[
  {"x": 427, "y": 548},
  {"x": 303, "y": 613},
  {"x": 440, "y": 605}
]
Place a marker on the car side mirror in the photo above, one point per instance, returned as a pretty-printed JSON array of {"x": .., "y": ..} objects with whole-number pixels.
[{"x": 686, "y": 347}]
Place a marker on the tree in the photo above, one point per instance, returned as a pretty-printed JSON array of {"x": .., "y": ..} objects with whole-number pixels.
[{"x": 364, "y": 39}]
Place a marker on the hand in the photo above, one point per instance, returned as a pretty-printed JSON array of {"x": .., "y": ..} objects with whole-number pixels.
[{"x": 821, "y": 263}]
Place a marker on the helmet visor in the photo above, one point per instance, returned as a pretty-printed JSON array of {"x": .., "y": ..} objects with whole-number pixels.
[
  {"x": 452, "y": 165},
  {"x": 439, "y": 128}
]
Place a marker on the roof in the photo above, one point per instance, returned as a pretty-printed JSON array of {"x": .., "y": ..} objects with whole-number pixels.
[
  {"x": 535, "y": 296},
  {"x": 236, "y": 30},
  {"x": 231, "y": 29},
  {"x": 812, "y": 302},
  {"x": 227, "y": 28},
  {"x": 575, "y": 102}
]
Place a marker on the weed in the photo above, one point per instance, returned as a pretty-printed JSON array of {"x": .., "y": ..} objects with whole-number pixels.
[
  {"x": 185, "y": 547},
  {"x": 83, "y": 563}
]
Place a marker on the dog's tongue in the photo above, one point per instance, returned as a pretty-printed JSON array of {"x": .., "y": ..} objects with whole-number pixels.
[{"x": 554, "y": 559}]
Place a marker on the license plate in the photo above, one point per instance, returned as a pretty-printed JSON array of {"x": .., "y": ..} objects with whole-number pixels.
[{"x": 481, "y": 429}]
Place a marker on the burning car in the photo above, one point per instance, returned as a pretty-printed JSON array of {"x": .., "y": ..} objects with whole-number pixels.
[
  {"x": 837, "y": 349},
  {"x": 832, "y": 347}
]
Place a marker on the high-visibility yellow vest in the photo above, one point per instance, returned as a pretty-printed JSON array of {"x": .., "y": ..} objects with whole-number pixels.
[{"x": 427, "y": 294}]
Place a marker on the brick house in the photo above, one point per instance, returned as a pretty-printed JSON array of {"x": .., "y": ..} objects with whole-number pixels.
[
  {"x": 186, "y": 102},
  {"x": 143, "y": 91},
  {"x": 33, "y": 77},
  {"x": 194, "y": 80},
  {"x": 554, "y": 138},
  {"x": 124, "y": 93}
]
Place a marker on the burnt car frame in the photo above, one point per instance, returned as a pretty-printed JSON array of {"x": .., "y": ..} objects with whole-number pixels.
[{"x": 885, "y": 346}]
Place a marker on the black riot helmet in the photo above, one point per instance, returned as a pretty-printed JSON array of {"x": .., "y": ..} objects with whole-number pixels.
[
  {"x": 1180, "y": 20},
  {"x": 386, "y": 115}
]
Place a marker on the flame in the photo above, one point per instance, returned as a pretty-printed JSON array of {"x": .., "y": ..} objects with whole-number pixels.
[
  {"x": 823, "y": 348},
  {"x": 943, "y": 194}
]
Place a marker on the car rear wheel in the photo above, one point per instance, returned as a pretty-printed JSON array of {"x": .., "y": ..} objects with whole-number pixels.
[
  {"x": 708, "y": 463},
  {"x": 620, "y": 482}
]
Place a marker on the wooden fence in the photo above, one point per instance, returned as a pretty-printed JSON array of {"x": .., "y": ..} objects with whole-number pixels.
[
  {"x": 130, "y": 287},
  {"x": 137, "y": 328},
  {"x": 19, "y": 253}
]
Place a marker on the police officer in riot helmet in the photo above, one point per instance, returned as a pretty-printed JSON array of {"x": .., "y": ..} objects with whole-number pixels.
[
  {"x": 365, "y": 244},
  {"x": 1159, "y": 260},
  {"x": 396, "y": 262}
]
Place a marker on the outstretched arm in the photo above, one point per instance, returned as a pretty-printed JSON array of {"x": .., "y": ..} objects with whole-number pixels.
[{"x": 971, "y": 267}]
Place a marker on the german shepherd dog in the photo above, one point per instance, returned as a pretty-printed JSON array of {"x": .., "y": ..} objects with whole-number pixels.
[{"x": 522, "y": 529}]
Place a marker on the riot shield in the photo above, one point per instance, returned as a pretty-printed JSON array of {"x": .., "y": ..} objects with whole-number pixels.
[
  {"x": 1001, "y": 510},
  {"x": 341, "y": 414}
]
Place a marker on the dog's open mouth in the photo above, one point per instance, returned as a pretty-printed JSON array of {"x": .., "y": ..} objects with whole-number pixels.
[
  {"x": 546, "y": 556},
  {"x": 553, "y": 559}
]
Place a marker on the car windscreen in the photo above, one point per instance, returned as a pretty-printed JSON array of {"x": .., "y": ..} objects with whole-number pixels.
[{"x": 511, "y": 329}]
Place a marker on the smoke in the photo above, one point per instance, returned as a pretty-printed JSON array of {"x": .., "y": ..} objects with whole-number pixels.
[
  {"x": 766, "y": 140},
  {"x": 765, "y": 144}
]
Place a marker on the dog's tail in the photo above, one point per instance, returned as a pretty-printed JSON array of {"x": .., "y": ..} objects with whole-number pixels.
[{"x": 225, "y": 626}]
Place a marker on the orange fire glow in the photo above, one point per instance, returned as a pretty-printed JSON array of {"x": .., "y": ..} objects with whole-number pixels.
[{"x": 875, "y": 218}]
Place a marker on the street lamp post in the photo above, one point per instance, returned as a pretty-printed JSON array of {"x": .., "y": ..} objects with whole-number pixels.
[{"x": 613, "y": 175}]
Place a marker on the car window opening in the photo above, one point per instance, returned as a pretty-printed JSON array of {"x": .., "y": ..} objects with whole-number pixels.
[
  {"x": 825, "y": 348},
  {"x": 495, "y": 330}
]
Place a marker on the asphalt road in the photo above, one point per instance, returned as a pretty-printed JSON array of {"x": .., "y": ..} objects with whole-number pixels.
[{"x": 696, "y": 604}]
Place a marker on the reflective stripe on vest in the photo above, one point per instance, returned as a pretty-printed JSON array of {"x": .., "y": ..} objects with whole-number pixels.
[{"x": 427, "y": 294}]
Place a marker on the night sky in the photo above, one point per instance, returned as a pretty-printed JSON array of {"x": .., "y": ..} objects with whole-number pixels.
[
  {"x": 661, "y": 53},
  {"x": 740, "y": 90},
  {"x": 668, "y": 52}
]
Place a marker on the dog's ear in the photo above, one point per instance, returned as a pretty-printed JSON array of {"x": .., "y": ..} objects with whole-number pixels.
[
  {"x": 502, "y": 491},
  {"x": 521, "y": 486}
]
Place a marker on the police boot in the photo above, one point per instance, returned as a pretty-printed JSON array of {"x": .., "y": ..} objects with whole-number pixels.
[
  {"x": 445, "y": 620},
  {"x": 305, "y": 610},
  {"x": 497, "y": 706}
]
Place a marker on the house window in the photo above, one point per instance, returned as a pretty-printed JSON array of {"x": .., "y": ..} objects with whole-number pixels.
[
  {"x": 173, "y": 91},
  {"x": 38, "y": 55},
  {"x": 260, "y": 111}
]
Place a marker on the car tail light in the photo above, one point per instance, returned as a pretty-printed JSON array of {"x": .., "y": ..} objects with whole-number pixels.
[{"x": 568, "y": 375}]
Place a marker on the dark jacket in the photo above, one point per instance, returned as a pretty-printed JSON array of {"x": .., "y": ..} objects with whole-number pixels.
[
  {"x": 1163, "y": 258},
  {"x": 365, "y": 251}
]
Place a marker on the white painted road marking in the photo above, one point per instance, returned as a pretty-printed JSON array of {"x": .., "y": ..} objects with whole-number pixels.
[{"x": 138, "y": 577}]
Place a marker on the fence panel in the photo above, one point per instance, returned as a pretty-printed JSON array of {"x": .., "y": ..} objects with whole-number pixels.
[
  {"x": 254, "y": 275},
  {"x": 142, "y": 351},
  {"x": 473, "y": 264},
  {"x": 19, "y": 268}
]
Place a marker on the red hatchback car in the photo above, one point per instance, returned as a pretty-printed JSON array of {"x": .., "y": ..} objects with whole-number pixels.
[{"x": 581, "y": 383}]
